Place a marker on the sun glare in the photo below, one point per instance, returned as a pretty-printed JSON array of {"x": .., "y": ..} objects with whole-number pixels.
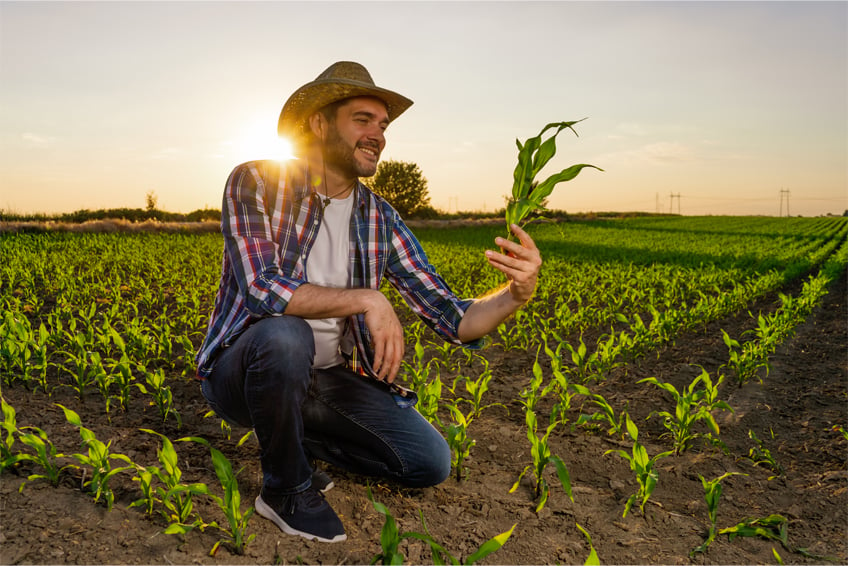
[{"x": 261, "y": 142}]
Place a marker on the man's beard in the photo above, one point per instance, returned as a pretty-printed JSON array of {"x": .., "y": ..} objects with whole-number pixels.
[{"x": 340, "y": 155}]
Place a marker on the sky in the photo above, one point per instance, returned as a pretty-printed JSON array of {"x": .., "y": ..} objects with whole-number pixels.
[{"x": 737, "y": 107}]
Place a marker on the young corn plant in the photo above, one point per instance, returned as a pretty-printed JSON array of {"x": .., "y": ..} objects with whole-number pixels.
[
  {"x": 457, "y": 436},
  {"x": 606, "y": 415},
  {"x": 712, "y": 494},
  {"x": 45, "y": 455},
  {"x": 643, "y": 466},
  {"x": 773, "y": 527},
  {"x": 230, "y": 504},
  {"x": 528, "y": 195},
  {"x": 391, "y": 537},
  {"x": 476, "y": 388},
  {"x": 564, "y": 390},
  {"x": 542, "y": 457},
  {"x": 9, "y": 427},
  {"x": 691, "y": 406},
  {"x": 99, "y": 459},
  {"x": 163, "y": 399},
  {"x": 745, "y": 359},
  {"x": 176, "y": 497},
  {"x": 429, "y": 398},
  {"x": 759, "y": 455}
]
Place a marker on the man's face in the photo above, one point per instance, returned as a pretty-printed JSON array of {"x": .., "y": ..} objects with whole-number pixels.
[{"x": 356, "y": 138}]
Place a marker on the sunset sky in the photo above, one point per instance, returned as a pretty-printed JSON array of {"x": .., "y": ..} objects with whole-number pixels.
[{"x": 723, "y": 103}]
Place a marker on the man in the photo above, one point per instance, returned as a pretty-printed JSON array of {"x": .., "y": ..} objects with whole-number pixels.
[{"x": 302, "y": 346}]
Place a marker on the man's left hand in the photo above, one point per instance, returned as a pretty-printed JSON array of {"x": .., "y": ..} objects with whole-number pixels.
[{"x": 520, "y": 262}]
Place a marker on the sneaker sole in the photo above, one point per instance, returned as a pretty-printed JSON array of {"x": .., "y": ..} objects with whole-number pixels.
[{"x": 265, "y": 510}]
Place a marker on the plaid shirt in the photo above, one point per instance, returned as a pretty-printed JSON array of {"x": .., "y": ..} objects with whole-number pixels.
[{"x": 269, "y": 223}]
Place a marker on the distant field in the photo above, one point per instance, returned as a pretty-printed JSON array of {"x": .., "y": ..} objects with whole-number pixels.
[{"x": 107, "y": 324}]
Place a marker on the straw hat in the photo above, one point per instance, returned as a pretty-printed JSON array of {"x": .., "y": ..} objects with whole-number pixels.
[{"x": 341, "y": 80}]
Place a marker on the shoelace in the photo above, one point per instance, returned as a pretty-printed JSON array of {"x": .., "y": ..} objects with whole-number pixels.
[{"x": 309, "y": 499}]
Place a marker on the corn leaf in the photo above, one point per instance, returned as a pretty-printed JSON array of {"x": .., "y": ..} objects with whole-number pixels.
[
  {"x": 533, "y": 155},
  {"x": 490, "y": 546}
]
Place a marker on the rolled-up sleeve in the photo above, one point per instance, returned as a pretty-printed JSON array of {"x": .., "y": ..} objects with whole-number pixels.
[
  {"x": 252, "y": 250},
  {"x": 423, "y": 289}
]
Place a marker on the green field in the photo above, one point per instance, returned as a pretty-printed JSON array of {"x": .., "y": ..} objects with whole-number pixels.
[{"x": 113, "y": 320}]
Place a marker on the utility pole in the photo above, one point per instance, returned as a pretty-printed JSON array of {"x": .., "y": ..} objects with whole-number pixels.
[
  {"x": 784, "y": 192},
  {"x": 658, "y": 203},
  {"x": 673, "y": 196}
]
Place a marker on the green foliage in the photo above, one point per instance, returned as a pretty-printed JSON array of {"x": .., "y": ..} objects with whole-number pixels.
[
  {"x": 759, "y": 455},
  {"x": 98, "y": 459},
  {"x": 402, "y": 184},
  {"x": 528, "y": 195},
  {"x": 712, "y": 494},
  {"x": 541, "y": 453},
  {"x": 176, "y": 498},
  {"x": 641, "y": 465},
  {"x": 391, "y": 537},
  {"x": 237, "y": 520},
  {"x": 692, "y": 405},
  {"x": 592, "y": 559}
]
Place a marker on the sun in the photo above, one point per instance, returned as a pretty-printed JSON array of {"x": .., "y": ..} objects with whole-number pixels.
[{"x": 261, "y": 142}]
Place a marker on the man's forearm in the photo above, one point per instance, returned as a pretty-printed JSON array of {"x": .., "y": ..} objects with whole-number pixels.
[
  {"x": 486, "y": 313},
  {"x": 313, "y": 301}
]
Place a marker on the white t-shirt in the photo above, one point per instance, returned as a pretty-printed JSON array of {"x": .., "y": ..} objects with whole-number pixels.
[{"x": 328, "y": 265}]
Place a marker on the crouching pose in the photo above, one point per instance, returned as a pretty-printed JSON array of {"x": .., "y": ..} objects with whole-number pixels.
[{"x": 302, "y": 346}]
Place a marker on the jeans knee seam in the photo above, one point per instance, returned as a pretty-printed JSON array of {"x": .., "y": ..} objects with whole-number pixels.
[{"x": 375, "y": 433}]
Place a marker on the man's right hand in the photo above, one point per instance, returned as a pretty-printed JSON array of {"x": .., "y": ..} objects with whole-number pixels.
[
  {"x": 313, "y": 301},
  {"x": 386, "y": 336}
]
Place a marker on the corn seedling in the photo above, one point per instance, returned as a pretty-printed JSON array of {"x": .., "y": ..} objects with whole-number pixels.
[
  {"x": 527, "y": 194},
  {"x": 691, "y": 405},
  {"x": 9, "y": 427},
  {"x": 163, "y": 399},
  {"x": 592, "y": 559},
  {"x": 642, "y": 466},
  {"x": 457, "y": 437},
  {"x": 429, "y": 397},
  {"x": 841, "y": 430},
  {"x": 541, "y": 454},
  {"x": 760, "y": 455},
  {"x": 712, "y": 494},
  {"x": 559, "y": 384},
  {"x": 176, "y": 497},
  {"x": 607, "y": 415},
  {"x": 773, "y": 527},
  {"x": 391, "y": 537},
  {"x": 124, "y": 380},
  {"x": 230, "y": 504},
  {"x": 745, "y": 359},
  {"x": 98, "y": 459},
  {"x": 476, "y": 389},
  {"x": 45, "y": 455}
]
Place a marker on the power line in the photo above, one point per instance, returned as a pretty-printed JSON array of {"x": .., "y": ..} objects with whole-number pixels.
[
  {"x": 784, "y": 192},
  {"x": 671, "y": 203}
]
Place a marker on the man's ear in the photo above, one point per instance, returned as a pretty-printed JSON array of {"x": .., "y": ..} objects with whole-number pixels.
[{"x": 317, "y": 126}]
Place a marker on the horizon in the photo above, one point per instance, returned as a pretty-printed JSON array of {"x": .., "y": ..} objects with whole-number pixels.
[{"x": 727, "y": 104}]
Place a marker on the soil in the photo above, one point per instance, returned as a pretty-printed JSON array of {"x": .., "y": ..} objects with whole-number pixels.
[{"x": 793, "y": 412}]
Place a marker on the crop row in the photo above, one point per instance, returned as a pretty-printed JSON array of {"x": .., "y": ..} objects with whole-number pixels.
[{"x": 123, "y": 314}]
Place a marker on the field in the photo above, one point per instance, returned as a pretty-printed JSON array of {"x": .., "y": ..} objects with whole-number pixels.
[{"x": 660, "y": 357}]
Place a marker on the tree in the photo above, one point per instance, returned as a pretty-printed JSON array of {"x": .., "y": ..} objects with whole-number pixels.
[
  {"x": 152, "y": 201},
  {"x": 402, "y": 184}
]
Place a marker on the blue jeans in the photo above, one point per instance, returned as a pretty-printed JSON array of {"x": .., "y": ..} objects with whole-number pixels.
[{"x": 265, "y": 381}]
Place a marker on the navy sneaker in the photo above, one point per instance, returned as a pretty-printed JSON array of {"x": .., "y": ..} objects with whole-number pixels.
[
  {"x": 321, "y": 481},
  {"x": 305, "y": 514}
]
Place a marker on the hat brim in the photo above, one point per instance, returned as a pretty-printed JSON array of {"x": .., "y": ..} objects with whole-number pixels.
[{"x": 313, "y": 96}]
